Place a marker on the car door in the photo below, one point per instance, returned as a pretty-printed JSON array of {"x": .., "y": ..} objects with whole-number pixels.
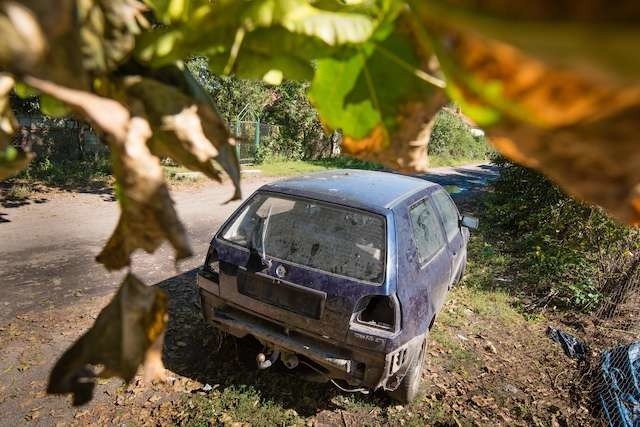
[
  {"x": 432, "y": 253},
  {"x": 451, "y": 223}
]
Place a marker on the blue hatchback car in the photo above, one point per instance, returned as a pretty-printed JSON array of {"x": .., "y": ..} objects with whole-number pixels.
[{"x": 342, "y": 273}]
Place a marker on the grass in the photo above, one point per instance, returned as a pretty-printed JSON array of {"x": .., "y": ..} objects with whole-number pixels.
[
  {"x": 180, "y": 174},
  {"x": 279, "y": 167},
  {"x": 18, "y": 192},
  {"x": 237, "y": 405},
  {"x": 67, "y": 174}
]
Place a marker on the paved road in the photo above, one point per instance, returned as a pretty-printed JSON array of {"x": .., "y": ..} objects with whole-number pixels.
[{"x": 47, "y": 249}]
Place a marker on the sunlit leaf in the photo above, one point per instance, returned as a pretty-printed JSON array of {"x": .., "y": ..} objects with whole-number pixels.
[
  {"x": 560, "y": 118},
  {"x": 128, "y": 332},
  {"x": 253, "y": 38},
  {"x": 382, "y": 107},
  {"x": 187, "y": 125}
]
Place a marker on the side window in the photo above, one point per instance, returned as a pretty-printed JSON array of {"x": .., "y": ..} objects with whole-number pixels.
[
  {"x": 449, "y": 212},
  {"x": 427, "y": 231}
]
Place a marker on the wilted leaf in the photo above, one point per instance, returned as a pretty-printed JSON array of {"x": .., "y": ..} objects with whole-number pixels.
[
  {"x": 126, "y": 333},
  {"x": 68, "y": 41},
  {"x": 590, "y": 35},
  {"x": 41, "y": 39},
  {"x": 148, "y": 215},
  {"x": 560, "y": 120},
  {"x": 187, "y": 126},
  {"x": 23, "y": 44},
  {"x": 8, "y": 122},
  {"x": 108, "y": 31}
]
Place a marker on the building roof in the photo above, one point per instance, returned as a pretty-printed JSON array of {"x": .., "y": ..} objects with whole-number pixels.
[{"x": 370, "y": 190}]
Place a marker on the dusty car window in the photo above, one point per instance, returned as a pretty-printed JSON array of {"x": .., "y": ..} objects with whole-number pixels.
[
  {"x": 329, "y": 238},
  {"x": 426, "y": 230},
  {"x": 449, "y": 213}
]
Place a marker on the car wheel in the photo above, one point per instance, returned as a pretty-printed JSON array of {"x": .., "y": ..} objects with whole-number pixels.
[{"x": 408, "y": 389}]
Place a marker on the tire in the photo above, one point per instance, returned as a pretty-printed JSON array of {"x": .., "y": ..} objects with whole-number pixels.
[{"x": 409, "y": 387}]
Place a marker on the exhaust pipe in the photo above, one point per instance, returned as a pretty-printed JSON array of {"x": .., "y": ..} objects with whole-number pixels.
[{"x": 264, "y": 362}]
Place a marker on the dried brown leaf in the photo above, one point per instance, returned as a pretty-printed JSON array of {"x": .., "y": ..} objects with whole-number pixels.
[
  {"x": 187, "y": 128},
  {"x": 119, "y": 340},
  {"x": 148, "y": 215},
  {"x": 108, "y": 31},
  {"x": 578, "y": 130},
  {"x": 42, "y": 39}
]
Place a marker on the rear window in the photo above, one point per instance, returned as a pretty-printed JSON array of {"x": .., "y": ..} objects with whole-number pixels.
[{"x": 326, "y": 237}]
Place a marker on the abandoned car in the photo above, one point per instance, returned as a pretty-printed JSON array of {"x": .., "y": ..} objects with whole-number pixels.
[{"x": 343, "y": 272}]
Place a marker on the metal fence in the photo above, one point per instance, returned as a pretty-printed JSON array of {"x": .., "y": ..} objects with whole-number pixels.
[{"x": 250, "y": 136}]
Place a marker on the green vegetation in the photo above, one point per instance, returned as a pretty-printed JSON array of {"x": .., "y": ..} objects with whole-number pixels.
[
  {"x": 292, "y": 127},
  {"x": 18, "y": 192},
  {"x": 68, "y": 173},
  {"x": 452, "y": 141},
  {"x": 277, "y": 167},
  {"x": 568, "y": 254},
  {"x": 241, "y": 404}
]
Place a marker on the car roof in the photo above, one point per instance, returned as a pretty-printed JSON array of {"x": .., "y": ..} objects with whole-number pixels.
[{"x": 364, "y": 189}]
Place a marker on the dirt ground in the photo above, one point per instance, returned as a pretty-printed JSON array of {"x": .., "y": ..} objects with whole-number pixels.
[{"x": 486, "y": 365}]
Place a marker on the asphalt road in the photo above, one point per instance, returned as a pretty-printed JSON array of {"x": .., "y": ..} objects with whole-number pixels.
[{"x": 47, "y": 246}]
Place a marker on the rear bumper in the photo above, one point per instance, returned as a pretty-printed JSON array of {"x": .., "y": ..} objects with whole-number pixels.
[{"x": 355, "y": 365}]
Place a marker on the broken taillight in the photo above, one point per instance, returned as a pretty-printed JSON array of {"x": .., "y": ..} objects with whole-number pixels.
[{"x": 378, "y": 311}]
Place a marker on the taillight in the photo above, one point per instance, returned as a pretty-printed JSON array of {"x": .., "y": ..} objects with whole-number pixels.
[{"x": 378, "y": 311}]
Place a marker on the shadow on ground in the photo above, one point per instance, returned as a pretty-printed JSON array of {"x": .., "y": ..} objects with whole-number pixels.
[
  {"x": 464, "y": 182},
  {"x": 196, "y": 350},
  {"x": 15, "y": 193}
]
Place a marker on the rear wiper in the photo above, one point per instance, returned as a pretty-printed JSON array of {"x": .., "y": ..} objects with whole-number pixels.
[{"x": 257, "y": 261}]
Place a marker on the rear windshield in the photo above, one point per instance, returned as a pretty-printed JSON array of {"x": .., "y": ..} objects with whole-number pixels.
[{"x": 326, "y": 237}]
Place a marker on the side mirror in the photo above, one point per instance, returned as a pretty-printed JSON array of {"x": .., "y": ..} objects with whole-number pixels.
[{"x": 470, "y": 222}]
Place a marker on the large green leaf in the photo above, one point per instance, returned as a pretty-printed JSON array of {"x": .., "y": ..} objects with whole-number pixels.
[
  {"x": 372, "y": 96},
  {"x": 263, "y": 38}
]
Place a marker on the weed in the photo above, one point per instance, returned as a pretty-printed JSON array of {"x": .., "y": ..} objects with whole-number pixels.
[
  {"x": 568, "y": 254},
  {"x": 18, "y": 192},
  {"x": 69, "y": 173},
  {"x": 280, "y": 167},
  {"x": 242, "y": 404}
]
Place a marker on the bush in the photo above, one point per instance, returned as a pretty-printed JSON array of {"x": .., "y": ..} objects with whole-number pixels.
[
  {"x": 68, "y": 172},
  {"x": 451, "y": 138},
  {"x": 572, "y": 253}
]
